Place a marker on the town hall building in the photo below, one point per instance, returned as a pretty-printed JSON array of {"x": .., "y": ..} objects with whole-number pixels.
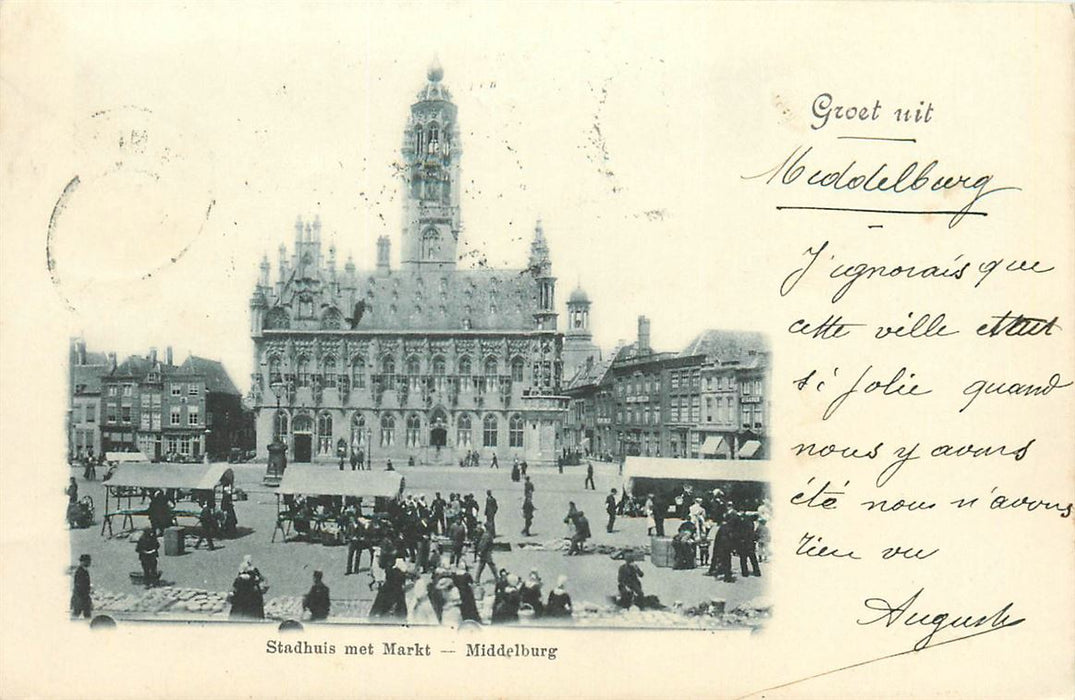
[{"x": 426, "y": 361}]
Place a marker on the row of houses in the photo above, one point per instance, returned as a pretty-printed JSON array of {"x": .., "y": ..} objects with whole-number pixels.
[
  {"x": 149, "y": 404},
  {"x": 709, "y": 400}
]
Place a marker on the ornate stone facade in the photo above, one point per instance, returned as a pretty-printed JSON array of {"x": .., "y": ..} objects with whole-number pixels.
[{"x": 426, "y": 361}]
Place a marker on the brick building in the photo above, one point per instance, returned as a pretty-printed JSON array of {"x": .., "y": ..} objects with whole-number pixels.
[
  {"x": 711, "y": 400},
  {"x": 84, "y": 392},
  {"x": 169, "y": 411}
]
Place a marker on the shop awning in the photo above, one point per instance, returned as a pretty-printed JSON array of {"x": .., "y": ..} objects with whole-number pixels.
[
  {"x": 122, "y": 457},
  {"x": 170, "y": 476},
  {"x": 693, "y": 469},
  {"x": 715, "y": 445},
  {"x": 319, "y": 480},
  {"x": 749, "y": 449}
]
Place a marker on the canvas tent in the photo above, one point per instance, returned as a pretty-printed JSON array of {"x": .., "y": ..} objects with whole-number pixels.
[
  {"x": 132, "y": 479},
  {"x": 316, "y": 480}
]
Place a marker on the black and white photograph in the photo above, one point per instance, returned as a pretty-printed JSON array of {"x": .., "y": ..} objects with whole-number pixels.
[{"x": 424, "y": 436}]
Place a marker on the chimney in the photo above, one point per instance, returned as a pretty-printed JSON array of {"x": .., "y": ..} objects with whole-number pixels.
[
  {"x": 153, "y": 356},
  {"x": 112, "y": 361},
  {"x": 382, "y": 253},
  {"x": 81, "y": 349},
  {"x": 168, "y": 355},
  {"x": 643, "y": 336}
]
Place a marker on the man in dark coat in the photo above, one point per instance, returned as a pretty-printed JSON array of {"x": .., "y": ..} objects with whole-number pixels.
[
  {"x": 660, "y": 509},
  {"x": 207, "y": 523},
  {"x": 528, "y": 488},
  {"x": 391, "y": 600},
  {"x": 588, "y": 484},
  {"x": 81, "y": 604},
  {"x": 746, "y": 545},
  {"x": 528, "y": 514},
  {"x": 437, "y": 508},
  {"x": 720, "y": 564},
  {"x": 629, "y": 582},
  {"x": 491, "y": 508},
  {"x": 317, "y": 599},
  {"x": 485, "y": 552},
  {"x": 458, "y": 533},
  {"x": 610, "y": 508}
]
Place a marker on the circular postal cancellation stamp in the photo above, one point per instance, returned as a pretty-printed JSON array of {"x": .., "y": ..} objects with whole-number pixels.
[{"x": 139, "y": 196}]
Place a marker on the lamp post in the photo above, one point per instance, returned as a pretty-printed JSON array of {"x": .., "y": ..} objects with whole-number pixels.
[
  {"x": 369, "y": 448},
  {"x": 205, "y": 452}
]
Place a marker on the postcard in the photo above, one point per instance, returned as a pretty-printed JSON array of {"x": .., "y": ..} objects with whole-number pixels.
[{"x": 537, "y": 350}]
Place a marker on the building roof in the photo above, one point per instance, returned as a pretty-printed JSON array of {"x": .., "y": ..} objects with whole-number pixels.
[
  {"x": 473, "y": 299},
  {"x": 88, "y": 377},
  {"x": 216, "y": 377},
  {"x": 579, "y": 296},
  {"x": 591, "y": 375},
  {"x": 727, "y": 346}
]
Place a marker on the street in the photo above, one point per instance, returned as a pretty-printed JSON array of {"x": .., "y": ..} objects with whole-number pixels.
[{"x": 591, "y": 578}]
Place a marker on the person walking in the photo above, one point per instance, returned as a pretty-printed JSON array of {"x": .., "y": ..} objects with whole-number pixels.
[
  {"x": 528, "y": 488},
  {"x": 207, "y": 524},
  {"x": 437, "y": 510},
  {"x": 528, "y": 514},
  {"x": 485, "y": 553},
  {"x": 81, "y": 603},
  {"x": 494, "y": 464},
  {"x": 588, "y": 484},
  {"x": 610, "y": 508},
  {"x": 582, "y": 533},
  {"x": 491, "y": 508}
]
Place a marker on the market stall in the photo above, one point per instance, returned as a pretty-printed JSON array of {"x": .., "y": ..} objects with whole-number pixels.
[
  {"x": 135, "y": 480},
  {"x": 327, "y": 488},
  {"x": 666, "y": 478}
]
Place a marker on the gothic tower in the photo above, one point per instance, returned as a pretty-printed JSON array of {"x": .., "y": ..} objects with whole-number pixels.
[
  {"x": 432, "y": 184},
  {"x": 541, "y": 269}
]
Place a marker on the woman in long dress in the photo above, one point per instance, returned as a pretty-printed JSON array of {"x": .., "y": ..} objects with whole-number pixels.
[
  {"x": 391, "y": 600},
  {"x": 420, "y": 610},
  {"x": 651, "y": 522},
  {"x": 559, "y": 604},
  {"x": 248, "y": 592}
]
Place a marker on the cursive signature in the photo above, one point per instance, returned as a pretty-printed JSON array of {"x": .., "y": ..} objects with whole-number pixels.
[{"x": 891, "y": 615}]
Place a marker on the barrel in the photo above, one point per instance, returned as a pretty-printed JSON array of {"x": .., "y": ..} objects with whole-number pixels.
[
  {"x": 173, "y": 542},
  {"x": 661, "y": 553}
]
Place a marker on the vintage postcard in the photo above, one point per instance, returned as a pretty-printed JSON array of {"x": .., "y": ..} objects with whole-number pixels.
[{"x": 631, "y": 350}]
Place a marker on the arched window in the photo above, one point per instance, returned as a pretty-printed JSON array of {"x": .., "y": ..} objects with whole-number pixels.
[
  {"x": 388, "y": 365},
  {"x": 331, "y": 320},
  {"x": 464, "y": 366},
  {"x": 419, "y": 142},
  {"x": 439, "y": 368},
  {"x": 329, "y": 369},
  {"x": 489, "y": 431},
  {"x": 463, "y": 427},
  {"x": 276, "y": 318},
  {"x": 414, "y": 428},
  {"x": 515, "y": 431},
  {"x": 358, "y": 432},
  {"x": 491, "y": 367},
  {"x": 279, "y": 425},
  {"x": 517, "y": 365},
  {"x": 358, "y": 373},
  {"x": 388, "y": 431},
  {"x": 430, "y": 244},
  {"x": 324, "y": 435},
  {"x": 275, "y": 372},
  {"x": 303, "y": 371},
  {"x": 413, "y": 365}
]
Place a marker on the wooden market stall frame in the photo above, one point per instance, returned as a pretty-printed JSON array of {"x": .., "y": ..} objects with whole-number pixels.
[
  {"x": 320, "y": 480},
  {"x": 132, "y": 479}
]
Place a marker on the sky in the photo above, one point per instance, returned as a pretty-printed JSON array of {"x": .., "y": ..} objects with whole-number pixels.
[{"x": 225, "y": 138}]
